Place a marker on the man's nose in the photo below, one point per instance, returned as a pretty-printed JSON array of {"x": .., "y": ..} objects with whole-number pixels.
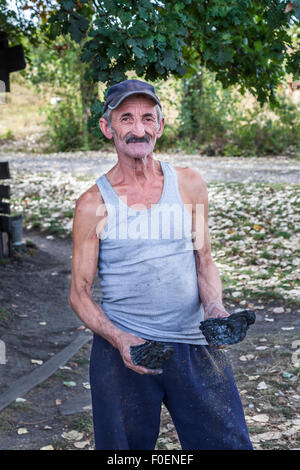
[{"x": 138, "y": 129}]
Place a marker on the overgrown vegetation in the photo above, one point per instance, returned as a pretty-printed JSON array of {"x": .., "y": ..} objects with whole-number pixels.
[
  {"x": 218, "y": 121},
  {"x": 226, "y": 79}
]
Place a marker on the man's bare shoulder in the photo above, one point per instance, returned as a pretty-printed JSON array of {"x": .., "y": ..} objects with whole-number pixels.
[
  {"x": 88, "y": 203},
  {"x": 191, "y": 180}
]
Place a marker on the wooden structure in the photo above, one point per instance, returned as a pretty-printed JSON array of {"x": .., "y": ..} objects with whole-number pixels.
[
  {"x": 11, "y": 60},
  {"x": 6, "y": 220}
]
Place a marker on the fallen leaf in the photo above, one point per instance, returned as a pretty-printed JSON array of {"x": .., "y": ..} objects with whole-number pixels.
[
  {"x": 50, "y": 447},
  {"x": 171, "y": 446},
  {"x": 69, "y": 384},
  {"x": 247, "y": 357},
  {"x": 236, "y": 294},
  {"x": 263, "y": 418},
  {"x": 81, "y": 444},
  {"x": 72, "y": 435},
  {"x": 266, "y": 436},
  {"x": 278, "y": 310},
  {"x": 22, "y": 431},
  {"x": 262, "y": 386},
  {"x": 37, "y": 361}
]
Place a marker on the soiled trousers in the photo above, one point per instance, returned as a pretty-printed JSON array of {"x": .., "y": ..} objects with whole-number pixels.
[{"x": 197, "y": 387}]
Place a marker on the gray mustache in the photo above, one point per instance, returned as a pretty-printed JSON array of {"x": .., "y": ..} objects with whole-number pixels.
[{"x": 133, "y": 140}]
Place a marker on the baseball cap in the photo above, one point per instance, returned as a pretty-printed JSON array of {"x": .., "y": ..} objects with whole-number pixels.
[{"x": 117, "y": 93}]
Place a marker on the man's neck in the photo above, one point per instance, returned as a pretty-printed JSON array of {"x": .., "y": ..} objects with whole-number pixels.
[{"x": 136, "y": 171}]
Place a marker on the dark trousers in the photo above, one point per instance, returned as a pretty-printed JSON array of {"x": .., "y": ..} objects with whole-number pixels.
[{"x": 197, "y": 387}]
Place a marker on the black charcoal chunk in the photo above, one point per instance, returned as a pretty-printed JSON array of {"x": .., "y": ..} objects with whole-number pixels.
[
  {"x": 151, "y": 354},
  {"x": 229, "y": 330}
]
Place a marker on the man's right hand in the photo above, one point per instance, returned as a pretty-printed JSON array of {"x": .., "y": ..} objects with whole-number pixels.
[{"x": 123, "y": 343}]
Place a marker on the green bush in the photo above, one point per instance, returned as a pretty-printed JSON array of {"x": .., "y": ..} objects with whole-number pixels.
[
  {"x": 218, "y": 121},
  {"x": 64, "y": 126}
]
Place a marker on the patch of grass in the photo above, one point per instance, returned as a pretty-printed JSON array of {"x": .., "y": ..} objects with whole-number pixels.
[
  {"x": 8, "y": 135},
  {"x": 82, "y": 422},
  {"x": 4, "y": 315}
]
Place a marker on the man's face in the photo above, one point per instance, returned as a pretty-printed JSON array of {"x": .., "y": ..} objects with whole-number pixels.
[{"x": 135, "y": 126}]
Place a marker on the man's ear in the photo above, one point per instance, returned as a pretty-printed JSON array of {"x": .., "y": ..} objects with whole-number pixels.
[
  {"x": 105, "y": 128},
  {"x": 161, "y": 128}
]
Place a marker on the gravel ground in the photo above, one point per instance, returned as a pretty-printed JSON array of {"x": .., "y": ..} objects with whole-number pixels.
[{"x": 279, "y": 169}]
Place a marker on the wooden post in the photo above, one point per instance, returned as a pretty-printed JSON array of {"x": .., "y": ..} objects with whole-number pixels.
[{"x": 4, "y": 209}]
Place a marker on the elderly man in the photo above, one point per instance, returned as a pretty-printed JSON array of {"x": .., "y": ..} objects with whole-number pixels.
[{"x": 143, "y": 227}]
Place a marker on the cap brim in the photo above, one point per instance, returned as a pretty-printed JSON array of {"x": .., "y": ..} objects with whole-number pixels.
[{"x": 130, "y": 93}]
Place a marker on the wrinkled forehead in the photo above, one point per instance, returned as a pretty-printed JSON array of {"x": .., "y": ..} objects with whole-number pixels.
[{"x": 136, "y": 103}]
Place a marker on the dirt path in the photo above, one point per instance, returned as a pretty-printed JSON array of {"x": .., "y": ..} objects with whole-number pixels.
[{"x": 36, "y": 323}]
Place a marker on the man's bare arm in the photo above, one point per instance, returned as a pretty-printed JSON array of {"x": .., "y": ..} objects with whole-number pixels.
[
  {"x": 89, "y": 221},
  {"x": 209, "y": 281},
  {"x": 84, "y": 266}
]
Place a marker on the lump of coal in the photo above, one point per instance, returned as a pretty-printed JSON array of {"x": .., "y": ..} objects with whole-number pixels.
[
  {"x": 229, "y": 330},
  {"x": 151, "y": 354}
]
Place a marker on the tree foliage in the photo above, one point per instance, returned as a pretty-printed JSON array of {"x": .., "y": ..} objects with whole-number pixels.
[
  {"x": 246, "y": 42},
  {"x": 22, "y": 18}
]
